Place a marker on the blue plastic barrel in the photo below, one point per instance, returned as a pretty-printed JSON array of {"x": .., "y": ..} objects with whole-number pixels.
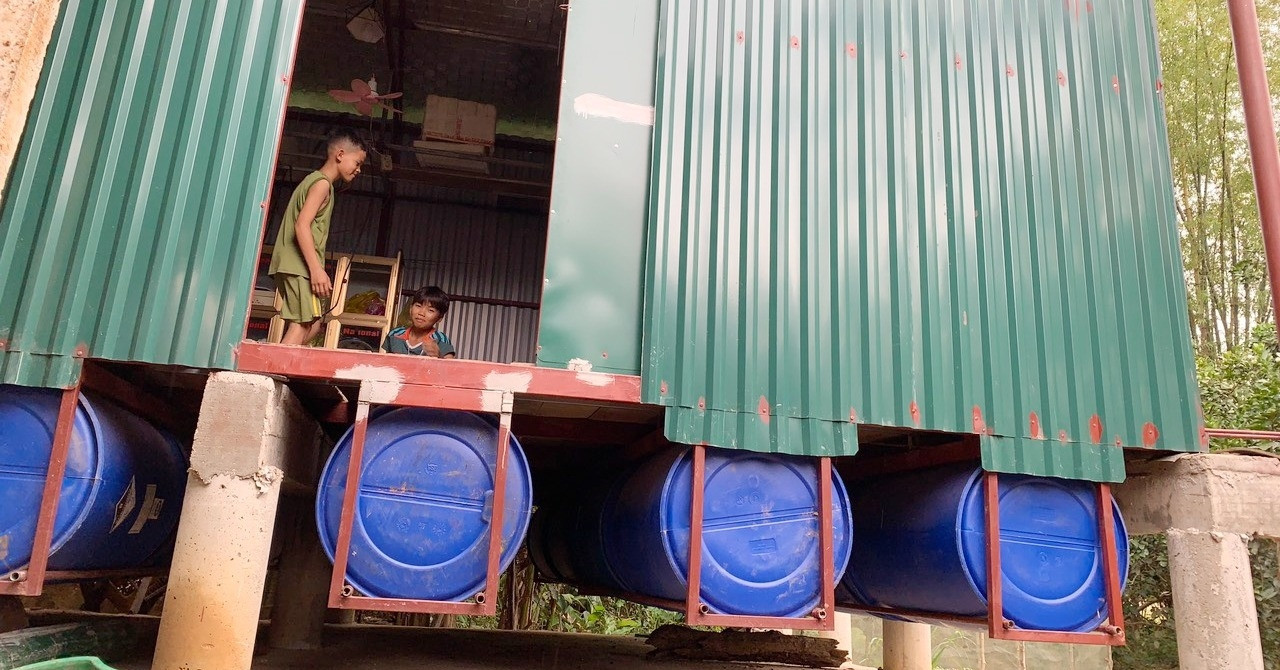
[
  {"x": 121, "y": 494},
  {"x": 921, "y": 545},
  {"x": 425, "y": 503},
  {"x": 760, "y": 531}
]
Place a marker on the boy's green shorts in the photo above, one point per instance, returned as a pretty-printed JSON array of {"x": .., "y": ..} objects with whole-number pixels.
[{"x": 300, "y": 304}]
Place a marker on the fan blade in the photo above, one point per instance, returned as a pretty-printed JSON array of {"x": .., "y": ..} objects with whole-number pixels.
[
  {"x": 390, "y": 96},
  {"x": 389, "y": 108},
  {"x": 361, "y": 87},
  {"x": 364, "y": 107},
  {"x": 344, "y": 96}
]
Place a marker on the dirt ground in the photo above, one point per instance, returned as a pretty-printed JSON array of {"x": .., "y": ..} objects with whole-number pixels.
[{"x": 370, "y": 648}]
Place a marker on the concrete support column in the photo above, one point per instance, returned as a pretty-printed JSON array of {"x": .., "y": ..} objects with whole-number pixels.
[
  {"x": 251, "y": 430},
  {"x": 907, "y": 646},
  {"x": 1208, "y": 505},
  {"x": 1214, "y": 609}
]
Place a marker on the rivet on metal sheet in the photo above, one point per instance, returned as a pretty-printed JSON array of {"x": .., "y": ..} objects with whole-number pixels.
[
  {"x": 795, "y": 42},
  {"x": 1037, "y": 433},
  {"x": 1008, "y": 70},
  {"x": 851, "y": 49},
  {"x": 914, "y": 409},
  {"x": 1150, "y": 434},
  {"x": 742, "y": 37},
  {"x": 1095, "y": 429},
  {"x": 1062, "y": 78},
  {"x": 979, "y": 426}
]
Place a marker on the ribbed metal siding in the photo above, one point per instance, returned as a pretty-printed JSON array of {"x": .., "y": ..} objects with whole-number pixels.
[
  {"x": 134, "y": 210},
  {"x": 950, "y": 215}
]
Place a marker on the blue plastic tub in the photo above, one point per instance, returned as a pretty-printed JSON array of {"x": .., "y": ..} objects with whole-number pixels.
[
  {"x": 921, "y": 545},
  {"x": 121, "y": 495},
  {"x": 425, "y": 503},
  {"x": 760, "y": 537}
]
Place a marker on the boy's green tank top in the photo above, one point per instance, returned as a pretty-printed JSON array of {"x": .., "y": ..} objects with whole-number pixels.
[{"x": 287, "y": 256}]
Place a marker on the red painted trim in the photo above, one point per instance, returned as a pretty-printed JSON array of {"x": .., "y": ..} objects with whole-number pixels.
[{"x": 357, "y": 366}]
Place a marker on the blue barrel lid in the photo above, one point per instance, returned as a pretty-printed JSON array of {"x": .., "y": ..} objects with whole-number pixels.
[
  {"x": 423, "y": 509},
  {"x": 760, "y": 539},
  {"x": 1053, "y": 577},
  {"x": 28, "y": 417}
]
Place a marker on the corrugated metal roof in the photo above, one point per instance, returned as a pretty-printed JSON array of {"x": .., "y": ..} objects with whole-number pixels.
[
  {"x": 131, "y": 221},
  {"x": 952, "y": 216}
]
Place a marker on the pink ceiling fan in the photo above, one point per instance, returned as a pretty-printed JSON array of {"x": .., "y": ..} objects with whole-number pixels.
[{"x": 364, "y": 95}]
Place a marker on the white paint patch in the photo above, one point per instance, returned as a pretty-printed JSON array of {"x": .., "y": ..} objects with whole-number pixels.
[
  {"x": 491, "y": 401},
  {"x": 580, "y": 365},
  {"x": 513, "y": 382},
  {"x": 389, "y": 381},
  {"x": 597, "y": 379},
  {"x": 594, "y": 106}
]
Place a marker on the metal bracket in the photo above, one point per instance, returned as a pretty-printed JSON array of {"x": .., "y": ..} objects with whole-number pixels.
[
  {"x": 30, "y": 582},
  {"x": 697, "y": 613},
  {"x": 343, "y": 595}
]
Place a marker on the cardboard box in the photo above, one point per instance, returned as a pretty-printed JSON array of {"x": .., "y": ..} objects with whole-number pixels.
[
  {"x": 461, "y": 163},
  {"x": 456, "y": 120}
]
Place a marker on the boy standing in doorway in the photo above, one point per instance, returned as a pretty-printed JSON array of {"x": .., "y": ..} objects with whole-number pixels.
[
  {"x": 422, "y": 336},
  {"x": 297, "y": 261}
]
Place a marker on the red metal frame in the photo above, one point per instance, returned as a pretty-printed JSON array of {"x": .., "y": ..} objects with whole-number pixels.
[
  {"x": 358, "y": 366},
  {"x": 1242, "y": 434},
  {"x": 697, "y": 613},
  {"x": 342, "y": 595},
  {"x": 30, "y": 582},
  {"x": 999, "y": 628}
]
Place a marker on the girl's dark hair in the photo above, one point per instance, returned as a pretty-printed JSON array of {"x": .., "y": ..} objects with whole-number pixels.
[{"x": 433, "y": 296}]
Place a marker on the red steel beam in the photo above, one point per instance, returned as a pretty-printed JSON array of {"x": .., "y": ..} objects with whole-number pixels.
[
  {"x": 328, "y": 364},
  {"x": 1258, "y": 120},
  {"x": 1241, "y": 434}
]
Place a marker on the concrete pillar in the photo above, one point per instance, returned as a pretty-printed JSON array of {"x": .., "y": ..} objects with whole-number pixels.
[
  {"x": 302, "y": 585},
  {"x": 1213, "y": 605},
  {"x": 1207, "y": 505},
  {"x": 907, "y": 646},
  {"x": 250, "y": 434},
  {"x": 25, "y": 29}
]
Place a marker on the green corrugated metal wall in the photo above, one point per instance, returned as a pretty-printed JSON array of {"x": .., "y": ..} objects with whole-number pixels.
[
  {"x": 133, "y": 213},
  {"x": 591, "y": 301},
  {"x": 953, "y": 215}
]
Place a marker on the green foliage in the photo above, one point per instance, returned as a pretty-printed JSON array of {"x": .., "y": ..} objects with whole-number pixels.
[
  {"x": 1241, "y": 387},
  {"x": 561, "y": 608}
]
